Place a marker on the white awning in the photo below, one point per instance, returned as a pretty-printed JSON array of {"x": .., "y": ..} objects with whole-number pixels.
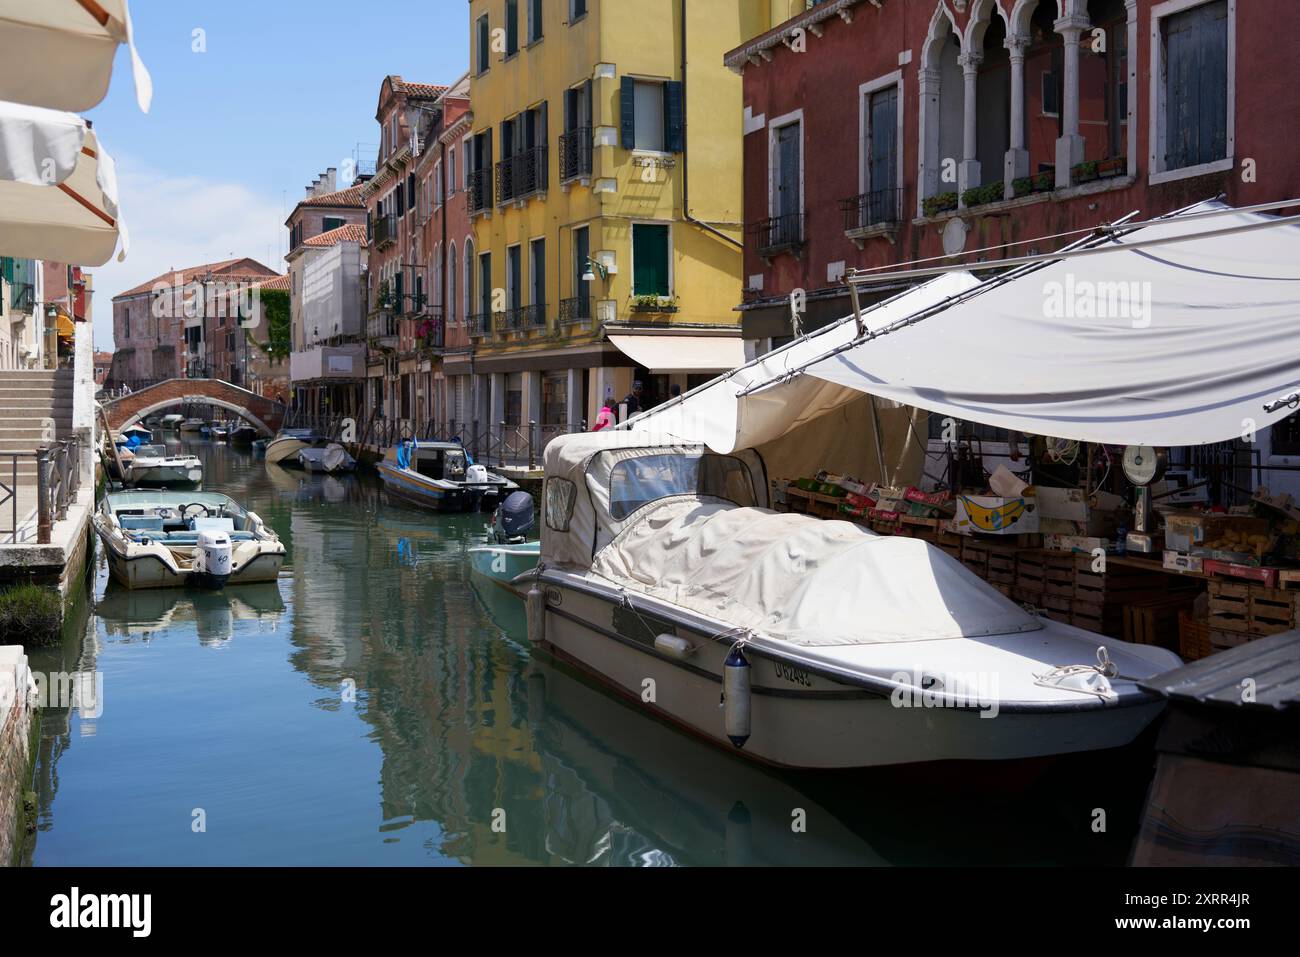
[
  {"x": 66, "y": 211},
  {"x": 682, "y": 353},
  {"x": 1178, "y": 342},
  {"x": 59, "y": 53},
  {"x": 725, "y": 418}
]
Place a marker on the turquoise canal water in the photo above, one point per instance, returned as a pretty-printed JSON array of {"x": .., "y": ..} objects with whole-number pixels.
[{"x": 378, "y": 706}]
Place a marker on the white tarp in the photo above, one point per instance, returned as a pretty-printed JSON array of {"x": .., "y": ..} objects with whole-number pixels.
[
  {"x": 682, "y": 353},
  {"x": 802, "y": 579},
  {"x": 59, "y": 53},
  {"x": 73, "y": 219},
  {"x": 1175, "y": 344},
  {"x": 719, "y": 416}
]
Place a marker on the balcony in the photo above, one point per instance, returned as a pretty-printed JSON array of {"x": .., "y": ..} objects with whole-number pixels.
[
  {"x": 521, "y": 175},
  {"x": 478, "y": 325},
  {"x": 779, "y": 234},
  {"x": 385, "y": 230},
  {"x": 423, "y": 332},
  {"x": 512, "y": 320},
  {"x": 479, "y": 187},
  {"x": 575, "y": 311},
  {"x": 877, "y": 213},
  {"x": 383, "y": 330},
  {"x": 575, "y": 154},
  {"x": 534, "y": 317}
]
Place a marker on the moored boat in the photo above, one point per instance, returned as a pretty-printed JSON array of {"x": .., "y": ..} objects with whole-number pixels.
[
  {"x": 160, "y": 539},
  {"x": 438, "y": 476},
  {"x": 507, "y": 552},
  {"x": 172, "y": 421},
  {"x": 153, "y": 467},
  {"x": 242, "y": 434},
  {"x": 327, "y": 459},
  {"x": 192, "y": 425},
  {"x": 284, "y": 448},
  {"x": 831, "y": 646}
]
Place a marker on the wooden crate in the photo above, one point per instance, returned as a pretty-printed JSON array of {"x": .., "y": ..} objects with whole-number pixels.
[
  {"x": 1061, "y": 603},
  {"x": 1225, "y": 640},
  {"x": 1002, "y": 566},
  {"x": 1271, "y": 610},
  {"x": 1156, "y": 622},
  {"x": 975, "y": 556},
  {"x": 1027, "y": 594},
  {"x": 1031, "y": 571},
  {"x": 1193, "y": 637},
  {"x": 1250, "y": 609},
  {"x": 1058, "y": 574}
]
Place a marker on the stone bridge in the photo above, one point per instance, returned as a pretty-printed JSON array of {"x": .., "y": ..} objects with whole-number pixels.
[{"x": 266, "y": 414}]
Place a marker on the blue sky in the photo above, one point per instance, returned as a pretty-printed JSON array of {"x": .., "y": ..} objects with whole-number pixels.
[{"x": 285, "y": 89}]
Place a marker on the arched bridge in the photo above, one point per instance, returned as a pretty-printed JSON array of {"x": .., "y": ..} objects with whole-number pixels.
[{"x": 266, "y": 414}]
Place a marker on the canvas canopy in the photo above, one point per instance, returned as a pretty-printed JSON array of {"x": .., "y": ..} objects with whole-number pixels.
[
  {"x": 801, "y": 579},
  {"x": 59, "y": 53},
  {"x": 58, "y": 189},
  {"x": 682, "y": 353}
]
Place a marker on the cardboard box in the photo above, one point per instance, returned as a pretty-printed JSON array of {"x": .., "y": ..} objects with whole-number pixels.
[
  {"x": 1182, "y": 562},
  {"x": 1072, "y": 504},
  {"x": 1086, "y": 544},
  {"x": 995, "y": 515},
  {"x": 1193, "y": 531}
]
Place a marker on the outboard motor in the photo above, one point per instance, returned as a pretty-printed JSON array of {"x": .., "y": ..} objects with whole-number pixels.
[
  {"x": 477, "y": 474},
  {"x": 514, "y": 519},
  {"x": 212, "y": 558}
]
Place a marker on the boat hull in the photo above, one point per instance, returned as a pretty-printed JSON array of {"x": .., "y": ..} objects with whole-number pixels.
[
  {"x": 165, "y": 477},
  {"x": 504, "y": 563},
  {"x": 803, "y": 718},
  {"x": 417, "y": 490},
  {"x": 284, "y": 451},
  {"x": 148, "y": 570}
]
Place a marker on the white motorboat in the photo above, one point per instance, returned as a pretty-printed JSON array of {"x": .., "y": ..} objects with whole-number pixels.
[
  {"x": 284, "y": 448},
  {"x": 664, "y": 573},
  {"x": 192, "y": 425},
  {"x": 173, "y": 539},
  {"x": 327, "y": 458},
  {"x": 153, "y": 467},
  {"x": 438, "y": 476},
  {"x": 172, "y": 421}
]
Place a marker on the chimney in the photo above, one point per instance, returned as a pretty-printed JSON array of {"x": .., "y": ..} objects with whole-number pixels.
[{"x": 331, "y": 176}]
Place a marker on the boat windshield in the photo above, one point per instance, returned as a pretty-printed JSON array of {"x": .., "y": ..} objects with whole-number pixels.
[
  {"x": 152, "y": 451},
  {"x": 635, "y": 482}
]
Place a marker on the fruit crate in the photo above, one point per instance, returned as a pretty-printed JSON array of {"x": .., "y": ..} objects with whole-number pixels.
[
  {"x": 1249, "y": 609},
  {"x": 1193, "y": 637}
]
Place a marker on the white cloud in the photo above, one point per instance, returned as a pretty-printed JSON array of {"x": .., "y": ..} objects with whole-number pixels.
[{"x": 176, "y": 222}]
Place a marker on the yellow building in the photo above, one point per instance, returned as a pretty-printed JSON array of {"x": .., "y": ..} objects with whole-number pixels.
[{"x": 604, "y": 178}]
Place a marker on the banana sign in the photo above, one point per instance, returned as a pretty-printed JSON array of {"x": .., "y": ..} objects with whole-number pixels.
[{"x": 991, "y": 513}]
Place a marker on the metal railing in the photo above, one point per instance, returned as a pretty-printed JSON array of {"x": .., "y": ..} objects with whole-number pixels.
[
  {"x": 57, "y": 478},
  {"x": 385, "y": 229},
  {"x": 521, "y": 175},
  {"x": 778, "y": 233},
  {"x": 478, "y": 325},
  {"x": 535, "y": 316},
  {"x": 512, "y": 320},
  {"x": 881, "y": 207},
  {"x": 575, "y": 310},
  {"x": 382, "y": 327},
  {"x": 479, "y": 187},
  {"x": 575, "y": 153}
]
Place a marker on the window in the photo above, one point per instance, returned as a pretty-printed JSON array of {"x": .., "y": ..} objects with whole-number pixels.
[
  {"x": 331, "y": 222},
  {"x": 400, "y": 195},
  {"x": 484, "y": 45},
  {"x": 512, "y": 28},
  {"x": 577, "y": 9},
  {"x": 437, "y": 184},
  {"x": 410, "y": 191},
  {"x": 581, "y": 288},
  {"x": 651, "y": 247},
  {"x": 636, "y": 482},
  {"x": 1194, "y": 82},
  {"x": 451, "y": 311},
  {"x": 786, "y": 198},
  {"x": 651, "y": 115},
  {"x": 514, "y": 278},
  {"x": 534, "y": 20},
  {"x": 485, "y": 283},
  {"x": 451, "y": 171},
  {"x": 880, "y": 155},
  {"x": 560, "y": 496},
  {"x": 1052, "y": 89},
  {"x": 537, "y": 268}
]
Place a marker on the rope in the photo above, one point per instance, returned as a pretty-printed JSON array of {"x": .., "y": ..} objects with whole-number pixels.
[{"x": 1104, "y": 667}]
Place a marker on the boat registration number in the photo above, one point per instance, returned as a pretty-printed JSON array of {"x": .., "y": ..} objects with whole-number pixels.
[{"x": 792, "y": 674}]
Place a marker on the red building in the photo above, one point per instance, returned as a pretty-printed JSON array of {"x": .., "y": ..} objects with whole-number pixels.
[{"x": 886, "y": 131}]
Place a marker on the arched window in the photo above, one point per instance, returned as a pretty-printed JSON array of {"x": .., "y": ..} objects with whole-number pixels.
[{"x": 451, "y": 312}]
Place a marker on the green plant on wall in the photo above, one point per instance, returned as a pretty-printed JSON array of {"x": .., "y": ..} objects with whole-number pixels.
[{"x": 275, "y": 310}]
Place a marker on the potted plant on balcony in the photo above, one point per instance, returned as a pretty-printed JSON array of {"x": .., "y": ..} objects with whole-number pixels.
[
  {"x": 1114, "y": 166},
  {"x": 652, "y": 303},
  {"x": 384, "y": 297},
  {"x": 1084, "y": 172},
  {"x": 939, "y": 203},
  {"x": 980, "y": 195}
]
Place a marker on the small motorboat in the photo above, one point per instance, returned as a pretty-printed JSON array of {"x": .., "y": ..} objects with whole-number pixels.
[
  {"x": 326, "y": 458},
  {"x": 193, "y": 425},
  {"x": 507, "y": 554},
  {"x": 439, "y": 476},
  {"x": 284, "y": 448},
  {"x": 136, "y": 435},
  {"x": 172, "y": 421},
  {"x": 242, "y": 434},
  {"x": 153, "y": 467},
  {"x": 173, "y": 539},
  {"x": 831, "y": 646},
  {"x": 218, "y": 432}
]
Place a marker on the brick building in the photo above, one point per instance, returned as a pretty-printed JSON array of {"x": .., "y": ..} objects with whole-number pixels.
[{"x": 879, "y": 133}]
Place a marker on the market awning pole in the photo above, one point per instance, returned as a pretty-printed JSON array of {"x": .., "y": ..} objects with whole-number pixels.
[
  {"x": 857, "y": 308},
  {"x": 880, "y": 449}
]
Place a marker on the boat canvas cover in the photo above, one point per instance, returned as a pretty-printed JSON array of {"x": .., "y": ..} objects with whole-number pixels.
[
  {"x": 1180, "y": 343},
  {"x": 802, "y": 579}
]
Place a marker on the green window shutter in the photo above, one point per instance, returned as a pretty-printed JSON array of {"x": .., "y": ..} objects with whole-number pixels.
[
  {"x": 627, "y": 112},
  {"x": 674, "y": 117},
  {"x": 650, "y": 260}
]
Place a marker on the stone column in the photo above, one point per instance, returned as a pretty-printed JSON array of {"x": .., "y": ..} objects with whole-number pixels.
[
  {"x": 968, "y": 174},
  {"x": 574, "y": 414},
  {"x": 1016, "y": 163},
  {"x": 1069, "y": 148},
  {"x": 931, "y": 161}
]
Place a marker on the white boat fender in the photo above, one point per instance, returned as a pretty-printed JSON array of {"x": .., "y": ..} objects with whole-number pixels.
[
  {"x": 735, "y": 695},
  {"x": 673, "y": 646},
  {"x": 535, "y": 608}
]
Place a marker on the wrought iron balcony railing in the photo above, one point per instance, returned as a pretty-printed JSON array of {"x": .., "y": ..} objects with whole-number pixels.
[
  {"x": 478, "y": 325},
  {"x": 385, "y": 230},
  {"x": 534, "y": 316},
  {"x": 575, "y": 153},
  {"x": 778, "y": 234},
  {"x": 881, "y": 207},
  {"x": 479, "y": 187},
  {"x": 575, "y": 310},
  {"x": 521, "y": 175},
  {"x": 512, "y": 320}
]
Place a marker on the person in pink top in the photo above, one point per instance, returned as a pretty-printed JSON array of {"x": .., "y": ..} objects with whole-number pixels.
[{"x": 604, "y": 419}]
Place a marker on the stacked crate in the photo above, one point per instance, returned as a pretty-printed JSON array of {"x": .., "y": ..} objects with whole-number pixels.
[{"x": 1241, "y": 612}]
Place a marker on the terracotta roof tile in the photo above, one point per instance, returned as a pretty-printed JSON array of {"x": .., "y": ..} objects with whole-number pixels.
[
  {"x": 428, "y": 90},
  {"x": 340, "y": 197},
  {"x": 352, "y": 232},
  {"x": 225, "y": 269},
  {"x": 279, "y": 282}
]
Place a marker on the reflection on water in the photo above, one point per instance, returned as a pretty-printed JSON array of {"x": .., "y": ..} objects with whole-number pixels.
[{"x": 378, "y": 706}]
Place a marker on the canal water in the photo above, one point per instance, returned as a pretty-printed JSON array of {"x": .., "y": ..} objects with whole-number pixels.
[{"x": 377, "y": 705}]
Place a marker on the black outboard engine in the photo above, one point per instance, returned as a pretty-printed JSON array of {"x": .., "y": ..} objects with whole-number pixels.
[{"x": 514, "y": 519}]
